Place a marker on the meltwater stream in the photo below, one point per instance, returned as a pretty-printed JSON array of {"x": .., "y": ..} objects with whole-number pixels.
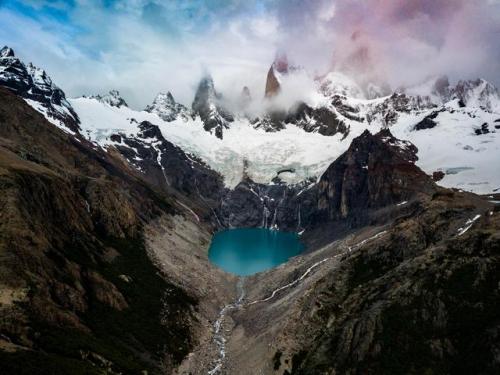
[{"x": 246, "y": 251}]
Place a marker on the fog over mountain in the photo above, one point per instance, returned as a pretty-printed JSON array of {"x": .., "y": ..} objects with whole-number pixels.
[{"x": 142, "y": 47}]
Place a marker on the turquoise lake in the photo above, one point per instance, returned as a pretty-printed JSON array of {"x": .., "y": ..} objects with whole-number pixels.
[{"x": 246, "y": 251}]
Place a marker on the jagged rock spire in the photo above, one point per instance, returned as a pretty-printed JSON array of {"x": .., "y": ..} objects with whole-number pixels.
[
  {"x": 207, "y": 105},
  {"x": 112, "y": 98},
  {"x": 166, "y": 107},
  {"x": 278, "y": 68}
]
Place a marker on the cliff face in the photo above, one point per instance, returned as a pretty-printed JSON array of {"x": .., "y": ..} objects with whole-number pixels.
[
  {"x": 376, "y": 171},
  {"x": 34, "y": 85},
  {"x": 79, "y": 293},
  {"x": 364, "y": 185},
  {"x": 207, "y": 105},
  {"x": 277, "y": 69}
]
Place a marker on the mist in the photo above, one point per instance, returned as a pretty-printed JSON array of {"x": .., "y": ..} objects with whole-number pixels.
[{"x": 145, "y": 47}]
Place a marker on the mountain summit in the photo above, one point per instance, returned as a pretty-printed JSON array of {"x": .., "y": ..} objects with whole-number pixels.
[
  {"x": 36, "y": 87},
  {"x": 112, "y": 99},
  {"x": 166, "y": 107},
  {"x": 278, "y": 68},
  {"x": 207, "y": 105}
]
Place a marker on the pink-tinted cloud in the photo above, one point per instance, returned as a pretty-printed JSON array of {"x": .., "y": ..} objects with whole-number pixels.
[{"x": 401, "y": 41}]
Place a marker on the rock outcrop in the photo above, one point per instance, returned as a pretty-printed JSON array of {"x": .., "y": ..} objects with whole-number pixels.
[
  {"x": 278, "y": 68},
  {"x": 166, "y": 107},
  {"x": 207, "y": 105},
  {"x": 169, "y": 168},
  {"x": 35, "y": 86},
  {"x": 112, "y": 99},
  {"x": 376, "y": 171}
]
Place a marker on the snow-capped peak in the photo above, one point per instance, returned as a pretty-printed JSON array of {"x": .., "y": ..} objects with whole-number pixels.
[
  {"x": 40, "y": 77},
  {"x": 207, "y": 105},
  {"x": 36, "y": 87},
  {"x": 112, "y": 99},
  {"x": 166, "y": 107},
  {"x": 478, "y": 93},
  {"x": 278, "y": 68},
  {"x": 7, "y": 52}
]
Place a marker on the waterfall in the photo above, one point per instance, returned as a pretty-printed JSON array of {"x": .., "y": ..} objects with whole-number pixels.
[
  {"x": 298, "y": 219},
  {"x": 158, "y": 159},
  {"x": 265, "y": 215},
  {"x": 273, "y": 223}
]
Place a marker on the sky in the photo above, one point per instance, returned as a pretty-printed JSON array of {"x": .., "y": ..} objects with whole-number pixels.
[{"x": 142, "y": 47}]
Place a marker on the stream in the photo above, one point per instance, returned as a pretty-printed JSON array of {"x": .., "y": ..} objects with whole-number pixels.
[{"x": 219, "y": 339}]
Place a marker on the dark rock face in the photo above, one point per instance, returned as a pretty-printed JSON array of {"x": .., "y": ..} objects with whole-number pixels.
[
  {"x": 273, "y": 121},
  {"x": 275, "y": 206},
  {"x": 428, "y": 122},
  {"x": 207, "y": 105},
  {"x": 167, "y": 166},
  {"x": 166, "y": 107},
  {"x": 388, "y": 111},
  {"x": 30, "y": 82},
  {"x": 483, "y": 130},
  {"x": 438, "y": 175},
  {"x": 376, "y": 171},
  {"x": 321, "y": 120},
  {"x": 112, "y": 98}
]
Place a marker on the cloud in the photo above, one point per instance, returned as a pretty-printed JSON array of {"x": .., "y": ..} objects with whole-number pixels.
[
  {"x": 141, "y": 47},
  {"x": 404, "y": 41}
]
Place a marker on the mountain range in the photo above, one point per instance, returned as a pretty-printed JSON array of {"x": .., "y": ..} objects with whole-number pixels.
[{"x": 107, "y": 213}]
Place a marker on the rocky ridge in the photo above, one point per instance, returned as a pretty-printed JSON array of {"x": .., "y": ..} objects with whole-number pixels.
[
  {"x": 207, "y": 105},
  {"x": 112, "y": 99},
  {"x": 35, "y": 86}
]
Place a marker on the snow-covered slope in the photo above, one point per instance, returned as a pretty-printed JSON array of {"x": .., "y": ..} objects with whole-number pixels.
[
  {"x": 460, "y": 145},
  {"x": 308, "y": 154},
  {"x": 463, "y": 142}
]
